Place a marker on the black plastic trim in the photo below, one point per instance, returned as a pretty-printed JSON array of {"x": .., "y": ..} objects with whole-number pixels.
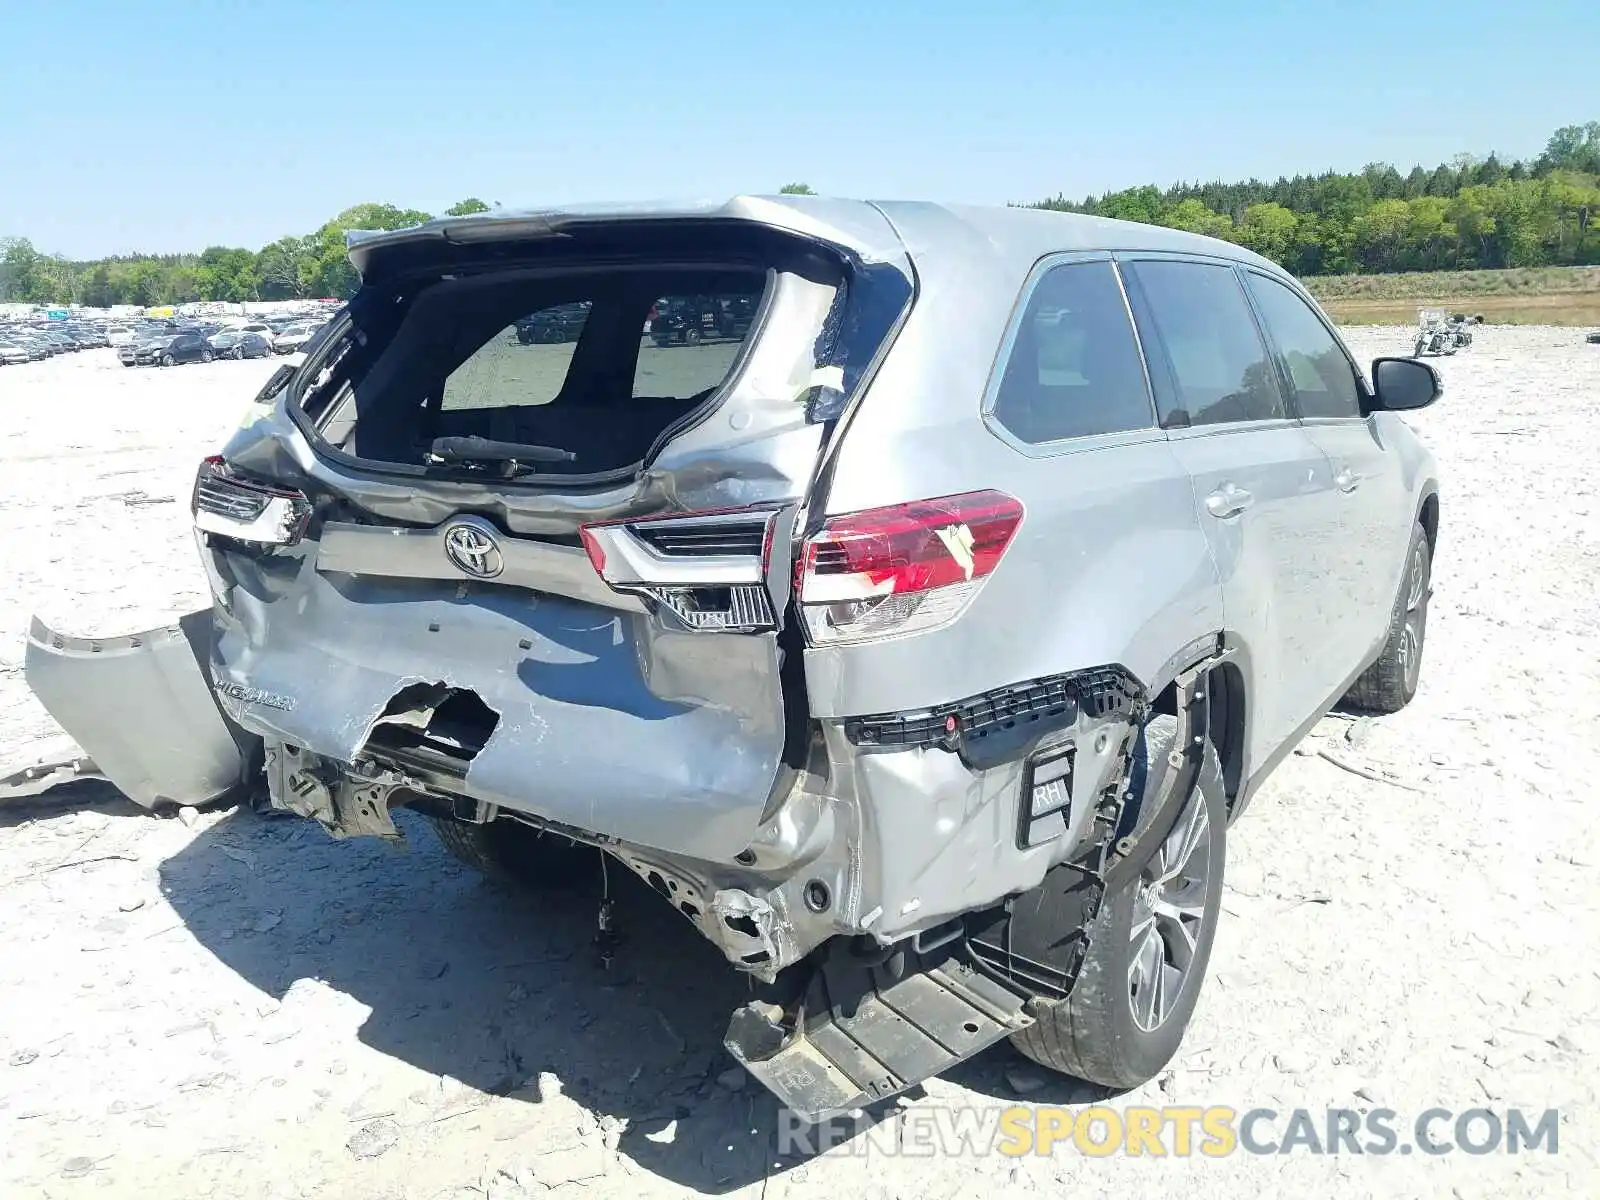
[{"x": 998, "y": 725}]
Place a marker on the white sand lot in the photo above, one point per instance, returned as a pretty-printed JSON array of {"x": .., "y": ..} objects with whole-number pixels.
[{"x": 246, "y": 1008}]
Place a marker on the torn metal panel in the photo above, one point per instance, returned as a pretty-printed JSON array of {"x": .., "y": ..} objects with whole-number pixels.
[
  {"x": 142, "y": 709},
  {"x": 689, "y": 726}
]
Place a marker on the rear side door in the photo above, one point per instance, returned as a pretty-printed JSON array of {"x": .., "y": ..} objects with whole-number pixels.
[
  {"x": 1259, "y": 479},
  {"x": 1369, "y": 506}
]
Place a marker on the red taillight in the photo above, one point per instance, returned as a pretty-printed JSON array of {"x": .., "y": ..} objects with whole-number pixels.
[
  {"x": 904, "y": 568},
  {"x": 593, "y": 548}
]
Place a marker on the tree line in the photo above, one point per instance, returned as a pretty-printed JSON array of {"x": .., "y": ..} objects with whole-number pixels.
[
  {"x": 1467, "y": 214},
  {"x": 291, "y": 268}
]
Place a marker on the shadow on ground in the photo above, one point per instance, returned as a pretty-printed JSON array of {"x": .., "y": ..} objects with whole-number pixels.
[
  {"x": 86, "y": 795},
  {"x": 492, "y": 985}
]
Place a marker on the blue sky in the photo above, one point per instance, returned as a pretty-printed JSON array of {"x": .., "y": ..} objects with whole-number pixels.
[{"x": 171, "y": 126}]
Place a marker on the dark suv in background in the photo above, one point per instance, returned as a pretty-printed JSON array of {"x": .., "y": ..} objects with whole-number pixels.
[
  {"x": 168, "y": 349},
  {"x": 690, "y": 320},
  {"x": 559, "y": 323}
]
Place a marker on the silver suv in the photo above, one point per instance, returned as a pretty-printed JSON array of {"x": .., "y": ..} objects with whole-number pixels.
[{"x": 917, "y": 642}]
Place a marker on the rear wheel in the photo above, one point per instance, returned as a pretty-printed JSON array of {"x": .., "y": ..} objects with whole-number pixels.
[
  {"x": 515, "y": 853},
  {"x": 1391, "y": 681},
  {"x": 1149, "y": 942},
  {"x": 205, "y": 356},
  {"x": 692, "y": 336}
]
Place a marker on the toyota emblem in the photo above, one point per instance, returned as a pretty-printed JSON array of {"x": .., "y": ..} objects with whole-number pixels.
[{"x": 474, "y": 549}]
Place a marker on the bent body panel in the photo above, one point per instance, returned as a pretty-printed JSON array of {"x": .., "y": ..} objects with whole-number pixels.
[{"x": 142, "y": 708}]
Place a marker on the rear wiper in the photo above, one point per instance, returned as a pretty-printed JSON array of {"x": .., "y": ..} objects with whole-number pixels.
[{"x": 508, "y": 456}]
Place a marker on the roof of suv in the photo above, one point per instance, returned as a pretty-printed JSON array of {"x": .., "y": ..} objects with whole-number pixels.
[{"x": 874, "y": 230}]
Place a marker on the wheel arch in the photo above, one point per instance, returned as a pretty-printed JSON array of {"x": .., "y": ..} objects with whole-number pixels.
[
  {"x": 1428, "y": 517},
  {"x": 1227, "y": 705}
]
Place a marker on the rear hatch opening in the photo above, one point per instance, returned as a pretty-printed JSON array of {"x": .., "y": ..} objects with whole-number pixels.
[{"x": 557, "y": 368}]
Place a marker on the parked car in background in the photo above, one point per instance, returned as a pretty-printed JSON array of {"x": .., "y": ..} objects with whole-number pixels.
[
  {"x": 168, "y": 350},
  {"x": 118, "y": 336},
  {"x": 143, "y": 350},
  {"x": 689, "y": 320},
  {"x": 13, "y": 353},
  {"x": 559, "y": 323},
  {"x": 239, "y": 343},
  {"x": 35, "y": 349},
  {"x": 919, "y": 653},
  {"x": 292, "y": 337}
]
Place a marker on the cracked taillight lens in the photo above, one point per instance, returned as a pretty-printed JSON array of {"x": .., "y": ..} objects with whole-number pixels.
[
  {"x": 708, "y": 568},
  {"x": 246, "y": 511},
  {"x": 902, "y": 569}
]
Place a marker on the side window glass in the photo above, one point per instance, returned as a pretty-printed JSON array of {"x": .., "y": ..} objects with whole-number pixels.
[
  {"x": 1074, "y": 368},
  {"x": 1195, "y": 317},
  {"x": 1324, "y": 382},
  {"x": 525, "y": 363}
]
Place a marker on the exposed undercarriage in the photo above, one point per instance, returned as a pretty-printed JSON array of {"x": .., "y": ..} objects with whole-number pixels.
[{"x": 848, "y": 1016}]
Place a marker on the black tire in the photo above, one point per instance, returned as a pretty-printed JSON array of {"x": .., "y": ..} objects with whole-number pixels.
[
  {"x": 237, "y": 353},
  {"x": 168, "y": 361},
  {"x": 692, "y": 336},
  {"x": 1094, "y": 1034},
  {"x": 205, "y": 356},
  {"x": 519, "y": 854},
  {"x": 1416, "y": 351},
  {"x": 1389, "y": 683}
]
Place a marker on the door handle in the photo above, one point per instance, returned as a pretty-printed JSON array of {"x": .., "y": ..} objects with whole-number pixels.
[
  {"x": 1229, "y": 500},
  {"x": 1347, "y": 480}
]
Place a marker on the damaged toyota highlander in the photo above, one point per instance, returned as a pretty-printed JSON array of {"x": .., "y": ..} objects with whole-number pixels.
[{"x": 918, "y": 642}]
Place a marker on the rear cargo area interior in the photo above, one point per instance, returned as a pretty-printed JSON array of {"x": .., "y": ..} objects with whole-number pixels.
[{"x": 583, "y": 362}]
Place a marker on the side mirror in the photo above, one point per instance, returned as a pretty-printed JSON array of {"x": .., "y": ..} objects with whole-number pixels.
[{"x": 1402, "y": 384}]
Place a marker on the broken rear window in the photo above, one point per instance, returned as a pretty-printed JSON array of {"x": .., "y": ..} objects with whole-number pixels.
[{"x": 597, "y": 364}]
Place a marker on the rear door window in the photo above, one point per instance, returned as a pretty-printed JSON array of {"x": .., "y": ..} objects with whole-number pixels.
[
  {"x": 1324, "y": 382},
  {"x": 1073, "y": 369},
  {"x": 1207, "y": 360}
]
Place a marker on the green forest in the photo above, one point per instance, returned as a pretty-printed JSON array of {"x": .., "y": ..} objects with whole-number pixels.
[
  {"x": 1464, "y": 215},
  {"x": 1468, "y": 214}
]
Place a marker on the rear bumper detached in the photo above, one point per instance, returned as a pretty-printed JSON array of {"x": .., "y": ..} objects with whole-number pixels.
[{"x": 142, "y": 709}]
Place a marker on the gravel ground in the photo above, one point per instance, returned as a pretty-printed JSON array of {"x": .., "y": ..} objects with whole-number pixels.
[{"x": 242, "y": 1007}]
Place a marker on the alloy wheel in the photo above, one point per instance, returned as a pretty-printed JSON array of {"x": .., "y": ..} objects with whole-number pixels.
[
  {"x": 1169, "y": 912},
  {"x": 1416, "y": 618}
]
